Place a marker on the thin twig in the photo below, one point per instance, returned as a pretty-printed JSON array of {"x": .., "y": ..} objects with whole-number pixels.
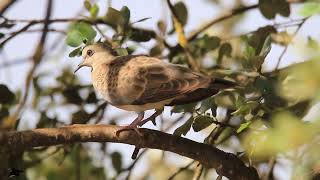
[
  {"x": 183, "y": 41},
  {"x": 181, "y": 170},
  {"x": 227, "y": 15},
  {"x": 197, "y": 172},
  {"x": 23, "y": 29},
  {"x": 37, "y": 57},
  {"x": 286, "y": 47}
]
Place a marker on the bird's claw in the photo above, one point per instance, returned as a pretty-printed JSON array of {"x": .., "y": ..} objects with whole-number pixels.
[{"x": 129, "y": 127}]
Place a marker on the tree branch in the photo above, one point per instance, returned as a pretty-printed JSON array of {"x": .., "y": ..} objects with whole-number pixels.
[
  {"x": 37, "y": 57},
  {"x": 226, "y": 164},
  {"x": 228, "y": 15}
]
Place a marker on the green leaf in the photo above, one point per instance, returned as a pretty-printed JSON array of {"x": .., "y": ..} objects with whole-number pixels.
[
  {"x": 207, "y": 104},
  {"x": 225, "y": 50},
  {"x": 4, "y": 112},
  {"x": 249, "y": 52},
  {"x": 283, "y": 8},
  {"x": 125, "y": 12},
  {"x": 116, "y": 161},
  {"x": 258, "y": 39},
  {"x": 74, "y": 38},
  {"x": 80, "y": 32},
  {"x": 114, "y": 18},
  {"x": 86, "y": 31},
  {"x": 201, "y": 122},
  {"x": 1, "y": 35},
  {"x": 310, "y": 9},
  {"x": 87, "y": 5},
  {"x": 72, "y": 95},
  {"x": 182, "y": 12},
  {"x": 184, "y": 108},
  {"x": 266, "y": 47},
  {"x": 121, "y": 51},
  {"x": 141, "y": 35},
  {"x": 212, "y": 42},
  {"x": 94, "y": 10},
  {"x": 92, "y": 98},
  {"x": 313, "y": 43},
  {"x": 6, "y": 96},
  {"x": 184, "y": 129},
  {"x": 80, "y": 117},
  {"x": 75, "y": 52},
  {"x": 267, "y": 9},
  {"x": 156, "y": 50}
]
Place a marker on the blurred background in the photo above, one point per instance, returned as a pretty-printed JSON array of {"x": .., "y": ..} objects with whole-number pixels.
[{"x": 273, "y": 121}]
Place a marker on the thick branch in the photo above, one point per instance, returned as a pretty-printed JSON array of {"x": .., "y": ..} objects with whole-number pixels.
[{"x": 226, "y": 164}]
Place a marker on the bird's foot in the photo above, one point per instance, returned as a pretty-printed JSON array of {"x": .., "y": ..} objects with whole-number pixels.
[
  {"x": 133, "y": 126},
  {"x": 127, "y": 128}
]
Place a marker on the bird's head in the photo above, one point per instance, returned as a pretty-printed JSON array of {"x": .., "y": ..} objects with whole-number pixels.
[{"x": 96, "y": 54}]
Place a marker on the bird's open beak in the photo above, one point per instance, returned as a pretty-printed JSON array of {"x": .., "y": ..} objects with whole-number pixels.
[{"x": 80, "y": 66}]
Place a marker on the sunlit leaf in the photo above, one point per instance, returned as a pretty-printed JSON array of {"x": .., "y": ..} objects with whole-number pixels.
[
  {"x": 74, "y": 38},
  {"x": 243, "y": 126},
  {"x": 310, "y": 9},
  {"x": 80, "y": 32},
  {"x": 94, "y": 10},
  {"x": 121, "y": 51}
]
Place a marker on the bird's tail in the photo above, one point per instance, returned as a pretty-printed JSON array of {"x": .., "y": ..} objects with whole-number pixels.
[
  {"x": 213, "y": 88},
  {"x": 220, "y": 84}
]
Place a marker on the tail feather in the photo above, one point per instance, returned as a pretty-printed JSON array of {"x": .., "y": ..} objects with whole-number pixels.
[
  {"x": 213, "y": 88},
  {"x": 221, "y": 84}
]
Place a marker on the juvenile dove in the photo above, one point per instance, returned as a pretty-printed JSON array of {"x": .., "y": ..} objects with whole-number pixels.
[{"x": 139, "y": 83}]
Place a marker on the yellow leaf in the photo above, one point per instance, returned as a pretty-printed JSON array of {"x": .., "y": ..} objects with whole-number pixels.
[{"x": 181, "y": 36}]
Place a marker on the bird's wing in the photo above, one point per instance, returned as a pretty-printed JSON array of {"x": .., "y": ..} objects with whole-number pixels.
[{"x": 162, "y": 81}]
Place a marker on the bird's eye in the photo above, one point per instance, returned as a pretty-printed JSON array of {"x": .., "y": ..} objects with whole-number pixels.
[{"x": 90, "y": 52}]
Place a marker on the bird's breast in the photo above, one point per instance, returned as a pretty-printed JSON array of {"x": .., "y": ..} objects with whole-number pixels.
[{"x": 100, "y": 83}]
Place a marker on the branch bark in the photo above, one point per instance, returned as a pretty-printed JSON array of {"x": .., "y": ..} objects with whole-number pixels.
[{"x": 226, "y": 164}]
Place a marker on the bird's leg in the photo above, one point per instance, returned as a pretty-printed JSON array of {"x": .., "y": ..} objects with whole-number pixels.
[
  {"x": 133, "y": 126},
  {"x": 152, "y": 118}
]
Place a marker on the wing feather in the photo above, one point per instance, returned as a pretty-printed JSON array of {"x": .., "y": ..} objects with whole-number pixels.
[{"x": 166, "y": 81}]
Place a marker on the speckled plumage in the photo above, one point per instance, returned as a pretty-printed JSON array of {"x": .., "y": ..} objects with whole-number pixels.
[{"x": 138, "y": 83}]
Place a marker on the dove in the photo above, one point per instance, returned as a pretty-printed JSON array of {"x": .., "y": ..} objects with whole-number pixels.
[{"x": 140, "y": 82}]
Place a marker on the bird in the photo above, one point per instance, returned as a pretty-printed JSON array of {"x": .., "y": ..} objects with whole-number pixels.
[{"x": 140, "y": 82}]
